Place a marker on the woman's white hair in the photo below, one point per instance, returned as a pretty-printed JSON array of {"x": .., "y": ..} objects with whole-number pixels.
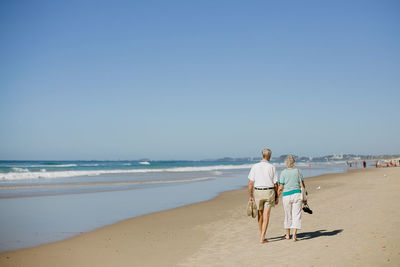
[{"x": 289, "y": 161}]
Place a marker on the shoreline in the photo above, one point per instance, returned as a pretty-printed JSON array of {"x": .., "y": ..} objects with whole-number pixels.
[
  {"x": 187, "y": 206},
  {"x": 78, "y": 210},
  {"x": 178, "y": 235}
]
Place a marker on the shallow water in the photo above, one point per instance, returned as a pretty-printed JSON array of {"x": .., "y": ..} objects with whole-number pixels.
[{"x": 42, "y": 214}]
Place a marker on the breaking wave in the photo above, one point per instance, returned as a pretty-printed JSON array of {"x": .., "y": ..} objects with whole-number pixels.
[{"x": 23, "y": 175}]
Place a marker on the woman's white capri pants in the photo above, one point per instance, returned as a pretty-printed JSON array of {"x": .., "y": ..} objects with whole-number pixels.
[{"x": 292, "y": 207}]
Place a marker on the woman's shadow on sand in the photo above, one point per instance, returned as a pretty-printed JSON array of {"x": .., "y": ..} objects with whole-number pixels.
[{"x": 309, "y": 235}]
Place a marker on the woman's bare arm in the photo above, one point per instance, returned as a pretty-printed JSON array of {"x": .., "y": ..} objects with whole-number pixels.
[{"x": 280, "y": 190}]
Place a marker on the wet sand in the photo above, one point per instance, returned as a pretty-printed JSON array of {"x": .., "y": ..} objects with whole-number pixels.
[{"x": 355, "y": 223}]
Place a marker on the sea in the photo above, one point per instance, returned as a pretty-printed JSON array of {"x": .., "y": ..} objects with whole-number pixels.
[{"x": 47, "y": 201}]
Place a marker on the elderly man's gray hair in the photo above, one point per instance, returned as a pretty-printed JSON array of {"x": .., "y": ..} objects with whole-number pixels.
[
  {"x": 289, "y": 161},
  {"x": 266, "y": 153}
]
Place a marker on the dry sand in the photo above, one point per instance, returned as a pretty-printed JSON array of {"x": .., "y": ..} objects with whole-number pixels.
[{"x": 356, "y": 222}]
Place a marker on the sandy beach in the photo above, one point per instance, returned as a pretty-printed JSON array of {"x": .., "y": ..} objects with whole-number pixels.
[{"x": 355, "y": 223}]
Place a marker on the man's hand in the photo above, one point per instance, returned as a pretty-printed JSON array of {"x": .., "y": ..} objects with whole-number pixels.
[
  {"x": 251, "y": 199},
  {"x": 276, "y": 201}
]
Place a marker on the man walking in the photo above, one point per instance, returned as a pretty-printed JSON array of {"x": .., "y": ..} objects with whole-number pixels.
[{"x": 263, "y": 186}]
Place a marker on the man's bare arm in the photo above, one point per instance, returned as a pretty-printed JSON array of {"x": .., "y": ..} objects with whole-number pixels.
[
  {"x": 251, "y": 185},
  {"x": 276, "y": 193}
]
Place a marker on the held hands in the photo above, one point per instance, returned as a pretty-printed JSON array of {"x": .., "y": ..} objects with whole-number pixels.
[{"x": 251, "y": 199}]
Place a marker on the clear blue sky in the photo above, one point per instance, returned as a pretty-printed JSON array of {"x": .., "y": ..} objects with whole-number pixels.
[{"x": 198, "y": 79}]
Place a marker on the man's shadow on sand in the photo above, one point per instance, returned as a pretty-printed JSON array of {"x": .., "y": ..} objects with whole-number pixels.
[{"x": 309, "y": 235}]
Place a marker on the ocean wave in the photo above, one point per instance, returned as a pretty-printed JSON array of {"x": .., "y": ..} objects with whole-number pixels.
[
  {"x": 66, "y": 174},
  {"x": 58, "y": 165},
  {"x": 302, "y": 164},
  {"x": 15, "y": 169},
  {"x": 144, "y": 163},
  {"x": 50, "y": 165}
]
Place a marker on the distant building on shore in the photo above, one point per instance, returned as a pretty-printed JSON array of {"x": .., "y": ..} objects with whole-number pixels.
[{"x": 337, "y": 157}]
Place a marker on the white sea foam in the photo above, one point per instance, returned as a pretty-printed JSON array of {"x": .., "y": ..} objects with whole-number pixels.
[
  {"x": 64, "y": 165},
  {"x": 51, "y": 166},
  {"x": 65, "y": 174},
  {"x": 144, "y": 163},
  {"x": 302, "y": 164},
  {"x": 340, "y": 162}
]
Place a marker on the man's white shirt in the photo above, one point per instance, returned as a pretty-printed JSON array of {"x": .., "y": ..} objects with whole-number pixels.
[{"x": 263, "y": 174}]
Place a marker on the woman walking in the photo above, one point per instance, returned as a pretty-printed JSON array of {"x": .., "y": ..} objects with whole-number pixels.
[{"x": 290, "y": 183}]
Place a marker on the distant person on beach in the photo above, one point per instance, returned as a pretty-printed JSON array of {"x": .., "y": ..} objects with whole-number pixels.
[
  {"x": 263, "y": 186},
  {"x": 290, "y": 183},
  {"x": 364, "y": 164}
]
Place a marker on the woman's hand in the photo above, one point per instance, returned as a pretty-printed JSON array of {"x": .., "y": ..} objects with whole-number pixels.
[{"x": 251, "y": 199}]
